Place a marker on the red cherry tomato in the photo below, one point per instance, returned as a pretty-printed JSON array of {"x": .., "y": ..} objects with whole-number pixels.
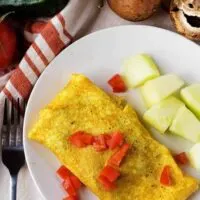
[{"x": 7, "y": 45}]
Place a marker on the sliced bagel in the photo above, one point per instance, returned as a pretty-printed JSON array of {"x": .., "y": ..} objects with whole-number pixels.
[
  {"x": 185, "y": 15},
  {"x": 134, "y": 10}
]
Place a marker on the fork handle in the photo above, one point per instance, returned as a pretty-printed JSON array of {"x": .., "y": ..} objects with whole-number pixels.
[{"x": 13, "y": 189}]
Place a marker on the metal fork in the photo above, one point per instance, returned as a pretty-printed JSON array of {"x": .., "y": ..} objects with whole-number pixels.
[{"x": 11, "y": 141}]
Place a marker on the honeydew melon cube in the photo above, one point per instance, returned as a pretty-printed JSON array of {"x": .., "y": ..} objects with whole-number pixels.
[
  {"x": 139, "y": 69},
  {"x": 155, "y": 90},
  {"x": 160, "y": 116}
]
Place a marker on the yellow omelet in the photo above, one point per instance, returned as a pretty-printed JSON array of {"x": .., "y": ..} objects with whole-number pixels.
[{"x": 81, "y": 105}]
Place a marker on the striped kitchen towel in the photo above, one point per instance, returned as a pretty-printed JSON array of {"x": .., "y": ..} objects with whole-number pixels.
[{"x": 55, "y": 35}]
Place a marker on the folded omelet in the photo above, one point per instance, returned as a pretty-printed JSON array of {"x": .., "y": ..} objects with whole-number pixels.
[{"x": 81, "y": 105}]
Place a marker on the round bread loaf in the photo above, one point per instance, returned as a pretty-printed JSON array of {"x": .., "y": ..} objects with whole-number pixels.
[{"x": 134, "y": 10}]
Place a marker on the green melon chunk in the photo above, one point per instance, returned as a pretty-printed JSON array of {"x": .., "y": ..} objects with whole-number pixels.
[
  {"x": 160, "y": 88},
  {"x": 160, "y": 116},
  {"x": 194, "y": 156},
  {"x": 139, "y": 69},
  {"x": 191, "y": 97},
  {"x": 186, "y": 125}
]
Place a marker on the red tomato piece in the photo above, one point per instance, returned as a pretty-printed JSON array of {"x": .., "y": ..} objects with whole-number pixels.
[
  {"x": 118, "y": 156},
  {"x": 81, "y": 139},
  {"x": 100, "y": 143},
  {"x": 108, "y": 139},
  {"x": 117, "y": 83},
  {"x": 75, "y": 182},
  {"x": 110, "y": 173},
  {"x": 165, "y": 177},
  {"x": 68, "y": 186},
  {"x": 106, "y": 183},
  {"x": 63, "y": 172},
  {"x": 116, "y": 140},
  {"x": 87, "y": 139},
  {"x": 8, "y": 45},
  {"x": 75, "y": 139},
  {"x": 71, "y": 198},
  {"x": 181, "y": 158}
]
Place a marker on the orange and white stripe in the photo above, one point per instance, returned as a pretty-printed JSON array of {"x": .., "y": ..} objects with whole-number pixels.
[
  {"x": 28, "y": 72},
  {"x": 54, "y": 36}
]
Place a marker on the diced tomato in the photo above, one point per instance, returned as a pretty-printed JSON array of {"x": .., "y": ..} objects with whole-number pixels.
[
  {"x": 110, "y": 173},
  {"x": 108, "y": 139},
  {"x": 87, "y": 139},
  {"x": 181, "y": 158},
  {"x": 100, "y": 143},
  {"x": 81, "y": 139},
  {"x": 106, "y": 183},
  {"x": 75, "y": 139},
  {"x": 63, "y": 172},
  {"x": 165, "y": 177},
  {"x": 68, "y": 186},
  {"x": 116, "y": 140},
  {"x": 117, "y": 83},
  {"x": 118, "y": 156},
  {"x": 71, "y": 198},
  {"x": 76, "y": 182}
]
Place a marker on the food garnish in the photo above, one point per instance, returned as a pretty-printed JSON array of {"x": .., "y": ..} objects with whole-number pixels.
[
  {"x": 181, "y": 158},
  {"x": 63, "y": 172},
  {"x": 117, "y": 83},
  {"x": 68, "y": 186},
  {"x": 116, "y": 140},
  {"x": 118, "y": 156},
  {"x": 81, "y": 139},
  {"x": 165, "y": 178},
  {"x": 70, "y": 183},
  {"x": 99, "y": 143},
  {"x": 110, "y": 173},
  {"x": 106, "y": 183}
]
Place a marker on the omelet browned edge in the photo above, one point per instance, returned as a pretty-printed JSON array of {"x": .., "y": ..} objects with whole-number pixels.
[{"x": 144, "y": 161}]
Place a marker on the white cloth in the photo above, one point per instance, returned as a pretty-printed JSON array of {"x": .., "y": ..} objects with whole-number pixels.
[{"x": 93, "y": 21}]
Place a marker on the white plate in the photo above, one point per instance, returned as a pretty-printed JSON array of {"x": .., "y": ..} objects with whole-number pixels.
[{"x": 99, "y": 56}]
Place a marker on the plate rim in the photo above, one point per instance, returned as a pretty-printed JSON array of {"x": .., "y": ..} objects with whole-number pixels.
[{"x": 51, "y": 64}]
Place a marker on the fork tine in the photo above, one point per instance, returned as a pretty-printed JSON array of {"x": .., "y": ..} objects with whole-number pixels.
[
  {"x": 12, "y": 132},
  {"x": 20, "y": 113},
  {"x": 5, "y": 116},
  {"x": 5, "y": 127}
]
